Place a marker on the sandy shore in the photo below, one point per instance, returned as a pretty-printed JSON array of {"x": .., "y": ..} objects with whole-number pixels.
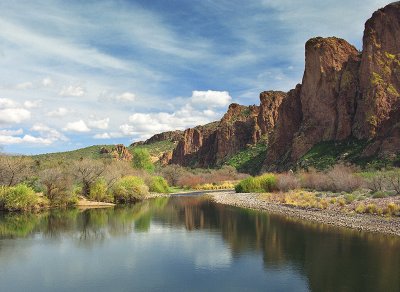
[{"x": 362, "y": 222}]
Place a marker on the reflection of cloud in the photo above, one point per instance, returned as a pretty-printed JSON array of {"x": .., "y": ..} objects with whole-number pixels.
[{"x": 206, "y": 250}]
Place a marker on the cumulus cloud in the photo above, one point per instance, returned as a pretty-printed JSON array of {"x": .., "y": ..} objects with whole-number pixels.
[
  {"x": 102, "y": 136},
  {"x": 72, "y": 90},
  {"x": 99, "y": 124},
  {"x": 47, "y": 82},
  {"x": 5, "y": 132},
  {"x": 9, "y": 140},
  {"x": 48, "y": 133},
  {"x": 126, "y": 96},
  {"x": 78, "y": 126},
  {"x": 14, "y": 115},
  {"x": 32, "y": 103},
  {"x": 24, "y": 85},
  {"x": 60, "y": 112},
  {"x": 7, "y": 103},
  {"x": 211, "y": 98},
  {"x": 123, "y": 97}
]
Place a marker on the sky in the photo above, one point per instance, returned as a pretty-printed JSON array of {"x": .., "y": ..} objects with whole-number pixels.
[{"x": 80, "y": 73}]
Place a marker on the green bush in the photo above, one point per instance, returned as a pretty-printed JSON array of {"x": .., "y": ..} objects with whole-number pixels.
[
  {"x": 248, "y": 185},
  {"x": 19, "y": 198},
  {"x": 129, "y": 189},
  {"x": 158, "y": 184},
  {"x": 99, "y": 191},
  {"x": 264, "y": 183},
  {"x": 141, "y": 159},
  {"x": 268, "y": 182}
]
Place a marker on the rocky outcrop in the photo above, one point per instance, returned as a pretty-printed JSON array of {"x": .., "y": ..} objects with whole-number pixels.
[
  {"x": 120, "y": 152},
  {"x": 327, "y": 101}
]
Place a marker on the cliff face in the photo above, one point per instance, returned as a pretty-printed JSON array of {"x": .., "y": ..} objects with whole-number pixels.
[
  {"x": 379, "y": 71},
  {"x": 241, "y": 126},
  {"x": 327, "y": 93},
  {"x": 344, "y": 94}
]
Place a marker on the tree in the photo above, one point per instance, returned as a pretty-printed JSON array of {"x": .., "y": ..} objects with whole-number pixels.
[
  {"x": 141, "y": 160},
  {"x": 14, "y": 169},
  {"x": 57, "y": 184},
  {"x": 86, "y": 172}
]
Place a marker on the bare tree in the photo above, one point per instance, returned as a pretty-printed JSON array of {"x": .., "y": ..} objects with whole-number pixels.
[
  {"x": 87, "y": 171},
  {"x": 57, "y": 184},
  {"x": 14, "y": 169}
]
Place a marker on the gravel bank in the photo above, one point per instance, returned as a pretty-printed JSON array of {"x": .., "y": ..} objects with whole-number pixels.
[{"x": 362, "y": 222}]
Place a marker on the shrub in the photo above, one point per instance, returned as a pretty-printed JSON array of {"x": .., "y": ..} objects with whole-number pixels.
[
  {"x": 264, "y": 183},
  {"x": 343, "y": 179},
  {"x": 129, "y": 189},
  {"x": 19, "y": 198},
  {"x": 314, "y": 180},
  {"x": 141, "y": 159},
  {"x": 375, "y": 181},
  {"x": 268, "y": 182},
  {"x": 56, "y": 186},
  {"x": 371, "y": 208},
  {"x": 360, "y": 208},
  {"x": 380, "y": 194},
  {"x": 158, "y": 184},
  {"x": 391, "y": 209},
  {"x": 86, "y": 172},
  {"x": 393, "y": 178},
  {"x": 99, "y": 191},
  {"x": 288, "y": 181},
  {"x": 248, "y": 185}
]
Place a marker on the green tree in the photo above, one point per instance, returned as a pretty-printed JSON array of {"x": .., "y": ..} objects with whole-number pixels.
[{"x": 141, "y": 160}]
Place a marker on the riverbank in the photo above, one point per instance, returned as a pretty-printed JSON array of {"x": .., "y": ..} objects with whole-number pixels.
[{"x": 362, "y": 222}]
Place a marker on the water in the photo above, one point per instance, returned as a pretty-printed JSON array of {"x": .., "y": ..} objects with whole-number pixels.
[{"x": 189, "y": 244}]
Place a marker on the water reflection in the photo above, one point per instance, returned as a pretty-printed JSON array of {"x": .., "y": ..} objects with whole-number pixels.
[{"x": 331, "y": 259}]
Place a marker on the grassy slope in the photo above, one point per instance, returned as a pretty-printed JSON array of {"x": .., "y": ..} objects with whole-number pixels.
[
  {"x": 92, "y": 152},
  {"x": 156, "y": 148},
  {"x": 326, "y": 154},
  {"x": 249, "y": 160}
]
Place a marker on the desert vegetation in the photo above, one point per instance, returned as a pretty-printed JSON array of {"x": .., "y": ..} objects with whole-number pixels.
[{"x": 341, "y": 187}]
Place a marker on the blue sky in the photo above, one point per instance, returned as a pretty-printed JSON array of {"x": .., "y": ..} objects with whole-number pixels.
[{"x": 79, "y": 73}]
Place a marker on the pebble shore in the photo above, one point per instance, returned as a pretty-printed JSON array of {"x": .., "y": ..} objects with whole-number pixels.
[{"x": 362, "y": 222}]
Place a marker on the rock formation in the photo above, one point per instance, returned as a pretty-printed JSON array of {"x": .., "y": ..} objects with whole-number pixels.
[{"x": 345, "y": 94}]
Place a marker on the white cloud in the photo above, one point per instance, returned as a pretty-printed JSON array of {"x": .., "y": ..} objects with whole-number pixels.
[
  {"x": 127, "y": 130},
  {"x": 7, "y": 103},
  {"x": 123, "y": 97},
  {"x": 47, "y": 82},
  {"x": 102, "y": 136},
  {"x": 72, "y": 90},
  {"x": 48, "y": 133},
  {"x": 32, "y": 103},
  {"x": 99, "y": 124},
  {"x": 24, "y": 85},
  {"x": 126, "y": 96},
  {"x": 10, "y": 140},
  {"x": 14, "y": 115},
  {"x": 78, "y": 126},
  {"x": 5, "y": 132},
  {"x": 211, "y": 98},
  {"x": 60, "y": 112}
]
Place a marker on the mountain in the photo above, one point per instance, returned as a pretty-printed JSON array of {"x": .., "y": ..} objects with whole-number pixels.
[{"x": 347, "y": 106}]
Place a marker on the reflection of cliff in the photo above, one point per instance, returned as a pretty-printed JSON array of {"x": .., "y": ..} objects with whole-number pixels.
[{"x": 331, "y": 259}]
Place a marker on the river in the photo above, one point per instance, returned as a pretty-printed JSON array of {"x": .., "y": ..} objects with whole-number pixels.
[{"x": 188, "y": 243}]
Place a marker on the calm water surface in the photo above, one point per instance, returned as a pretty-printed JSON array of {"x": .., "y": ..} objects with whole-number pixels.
[{"x": 189, "y": 244}]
